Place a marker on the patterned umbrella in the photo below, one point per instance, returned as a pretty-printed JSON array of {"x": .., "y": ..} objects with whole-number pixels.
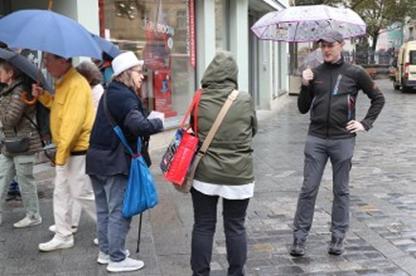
[{"x": 308, "y": 23}]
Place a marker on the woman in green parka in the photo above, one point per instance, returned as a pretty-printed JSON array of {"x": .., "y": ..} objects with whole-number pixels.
[{"x": 226, "y": 170}]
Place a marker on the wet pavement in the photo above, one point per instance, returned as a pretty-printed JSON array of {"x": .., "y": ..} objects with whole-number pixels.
[{"x": 381, "y": 240}]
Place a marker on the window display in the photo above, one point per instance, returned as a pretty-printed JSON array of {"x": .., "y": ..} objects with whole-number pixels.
[{"x": 161, "y": 32}]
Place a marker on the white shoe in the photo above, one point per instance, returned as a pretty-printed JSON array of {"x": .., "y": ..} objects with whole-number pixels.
[
  {"x": 57, "y": 243},
  {"x": 127, "y": 264},
  {"x": 28, "y": 221},
  {"x": 105, "y": 258},
  {"x": 74, "y": 228},
  {"x": 95, "y": 241}
]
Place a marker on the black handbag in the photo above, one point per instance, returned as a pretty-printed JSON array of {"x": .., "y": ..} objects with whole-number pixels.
[{"x": 16, "y": 144}]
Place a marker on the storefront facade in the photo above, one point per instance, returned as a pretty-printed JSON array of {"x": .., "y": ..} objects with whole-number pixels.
[{"x": 178, "y": 38}]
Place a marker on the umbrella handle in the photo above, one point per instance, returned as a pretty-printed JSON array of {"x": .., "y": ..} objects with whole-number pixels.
[{"x": 25, "y": 99}]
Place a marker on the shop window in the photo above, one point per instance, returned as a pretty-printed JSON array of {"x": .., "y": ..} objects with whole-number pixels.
[{"x": 161, "y": 33}]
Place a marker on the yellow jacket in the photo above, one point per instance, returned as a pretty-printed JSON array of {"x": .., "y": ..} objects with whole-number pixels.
[{"x": 72, "y": 115}]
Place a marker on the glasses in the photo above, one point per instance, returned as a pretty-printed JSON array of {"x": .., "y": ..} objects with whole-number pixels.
[{"x": 139, "y": 71}]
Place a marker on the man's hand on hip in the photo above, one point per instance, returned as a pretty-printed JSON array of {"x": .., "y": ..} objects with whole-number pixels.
[
  {"x": 354, "y": 126},
  {"x": 307, "y": 76}
]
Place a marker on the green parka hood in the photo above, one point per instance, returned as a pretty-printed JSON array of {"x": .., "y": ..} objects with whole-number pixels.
[{"x": 222, "y": 71}]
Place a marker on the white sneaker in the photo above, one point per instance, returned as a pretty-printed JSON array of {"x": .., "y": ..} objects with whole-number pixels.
[
  {"x": 57, "y": 243},
  {"x": 74, "y": 228},
  {"x": 28, "y": 221},
  {"x": 127, "y": 264},
  {"x": 105, "y": 258},
  {"x": 95, "y": 241}
]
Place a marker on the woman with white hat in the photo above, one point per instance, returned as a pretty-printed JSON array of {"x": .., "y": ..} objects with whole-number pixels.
[{"x": 108, "y": 162}]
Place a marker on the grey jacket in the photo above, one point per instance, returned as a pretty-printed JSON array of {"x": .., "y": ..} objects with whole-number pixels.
[
  {"x": 229, "y": 158},
  {"x": 14, "y": 123}
]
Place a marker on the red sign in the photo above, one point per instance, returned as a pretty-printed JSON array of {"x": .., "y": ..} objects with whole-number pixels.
[{"x": 191, "y": 10}]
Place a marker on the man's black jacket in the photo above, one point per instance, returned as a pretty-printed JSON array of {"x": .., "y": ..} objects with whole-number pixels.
[{"x": 331, "y": 98}]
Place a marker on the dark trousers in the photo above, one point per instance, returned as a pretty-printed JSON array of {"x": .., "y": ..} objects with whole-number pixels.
[
  {"x": 205, "y": 217},
  {"x": 317, "y": 153}
]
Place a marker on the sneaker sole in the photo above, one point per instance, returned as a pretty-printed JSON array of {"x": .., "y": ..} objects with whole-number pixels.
[
  {"x": 293, "y": 254},
  {"x": 124, "y": 269},
  {"x": 101, "y": 262},
  {"x": 54, "y": 249},
  {"x": 30, "y": 225},
  {"x": 336, "y": 253},
  {"x": 106, "y": 262}
]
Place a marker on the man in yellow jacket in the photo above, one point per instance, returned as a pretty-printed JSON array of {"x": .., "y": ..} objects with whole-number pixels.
[{"x": 71, "y": 119}]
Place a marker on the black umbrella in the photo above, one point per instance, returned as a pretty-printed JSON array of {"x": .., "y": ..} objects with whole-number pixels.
[{"x": 26, "y": 66}]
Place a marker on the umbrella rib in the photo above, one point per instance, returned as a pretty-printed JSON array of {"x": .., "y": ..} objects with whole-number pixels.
[{"x": 296, "y": 30}]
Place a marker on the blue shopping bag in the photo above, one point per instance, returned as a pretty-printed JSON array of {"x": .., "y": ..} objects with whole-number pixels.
[{"x": 140, "y": 193}]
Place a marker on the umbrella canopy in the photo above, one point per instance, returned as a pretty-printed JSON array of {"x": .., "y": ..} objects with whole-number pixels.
[
  {"x": 106, "y": 46},
  {"x": 308, "y": 23},
  {"x": 27, "y": 67},
  {"x": 311, "y": 60},
  {"x": 47, "y": 31}
]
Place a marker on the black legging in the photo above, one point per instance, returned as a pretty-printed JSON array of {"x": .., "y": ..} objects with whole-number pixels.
[{"x": 205, "y": 217}]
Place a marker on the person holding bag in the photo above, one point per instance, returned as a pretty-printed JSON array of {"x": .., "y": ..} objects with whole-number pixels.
[
  {"x": 20, "y": 144},
  {"x": 108, "y": 162},
  {"x": 226, "y": 168}
]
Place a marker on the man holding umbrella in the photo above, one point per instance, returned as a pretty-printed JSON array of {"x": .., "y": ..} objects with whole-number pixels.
[
  {"x": 71, "y": 120},
  {"x": 330, "y": 91}
]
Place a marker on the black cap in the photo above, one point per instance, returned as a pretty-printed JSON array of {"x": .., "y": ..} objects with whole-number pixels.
[{"x": 331, "y": 37}]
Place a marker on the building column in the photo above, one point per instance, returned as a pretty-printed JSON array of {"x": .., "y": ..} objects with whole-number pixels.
[
  {"x": 238, "y": 19},
  {"x": 205, "y": 35},
  {"x": 265, "y": 74},
  {"x": 84, "y": 12}
]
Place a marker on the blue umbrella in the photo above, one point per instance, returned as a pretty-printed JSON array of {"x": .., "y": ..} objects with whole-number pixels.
[
  {"x": 27, "y": 67},
  {"x": 47, "y": 31},
  {"x": 106, "y": 46}
]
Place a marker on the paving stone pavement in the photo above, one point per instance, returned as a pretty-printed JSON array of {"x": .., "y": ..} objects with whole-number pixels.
[{"x": 381, "y": 240}]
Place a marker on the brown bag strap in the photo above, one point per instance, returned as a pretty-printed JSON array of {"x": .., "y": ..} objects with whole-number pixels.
[
  {"x": 217, "y": 123},
  {"x": 220, "y": 117}
]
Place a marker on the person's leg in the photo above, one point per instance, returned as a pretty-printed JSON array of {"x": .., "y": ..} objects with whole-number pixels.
[
  {"x": 315, "y": 161},
  {"x": 101, "y": 203},
  {"x": 205, "y": 219},
  {"x": 118, "y": 226},
  {"x": 7, "y": 173},
  {"x": 76, "y": 211},
  {"x": 14, "y": 192},
  {"x": 80, "y": 183},
  {"x": 24, "y": 173},
  {"x": 62, "y": 212},
  {"x": 341, "y": 152},
  {"x": 234, "y": 213}
]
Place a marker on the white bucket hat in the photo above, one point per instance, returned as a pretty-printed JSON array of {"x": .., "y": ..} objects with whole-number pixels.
[{"x": 124, "y": 61}]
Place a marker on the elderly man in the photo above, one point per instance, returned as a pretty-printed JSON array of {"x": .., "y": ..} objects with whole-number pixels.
[
  {"x": 330, "y": 91},
  {"x": 71, "y": 120}
]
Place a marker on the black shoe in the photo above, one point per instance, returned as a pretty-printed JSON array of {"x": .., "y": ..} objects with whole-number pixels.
[
  {"x": 13, "y": 197},
  {"x": 336, "y": 247},
  {"x": 298, "y": 248}
]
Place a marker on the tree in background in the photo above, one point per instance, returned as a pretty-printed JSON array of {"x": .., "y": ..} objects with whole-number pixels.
[{"x": 379, "y": 14}]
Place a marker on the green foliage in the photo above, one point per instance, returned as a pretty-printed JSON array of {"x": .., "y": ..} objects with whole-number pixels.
[
  {"x": 379, "y": 14},
  {"x": 317, "y": 2}
]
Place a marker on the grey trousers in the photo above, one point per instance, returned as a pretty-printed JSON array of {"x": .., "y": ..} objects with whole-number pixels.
[
  {"x": 20, "y": 166},
  {"x": 317, "y": 152}
]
